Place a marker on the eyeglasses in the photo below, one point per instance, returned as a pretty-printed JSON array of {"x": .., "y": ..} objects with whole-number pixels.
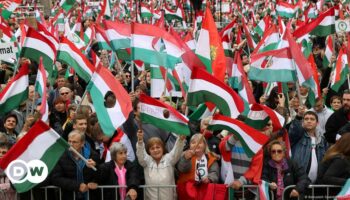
[
  {"x": 127, "y": 75},
  {"x": 64, "y": 93},
  {"x": 274, "y": 151}
]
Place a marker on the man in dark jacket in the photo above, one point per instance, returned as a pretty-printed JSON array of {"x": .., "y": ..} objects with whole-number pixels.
[
  {"x": 338, "y": 119},
  {"x": 72, "y": 174}
]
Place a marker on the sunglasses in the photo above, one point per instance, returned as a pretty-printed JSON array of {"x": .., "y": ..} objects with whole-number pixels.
[
  {"x": 279, "y": 151},
  {"x": 3, "y": 152},
  {"x": 64, "y": 93}
]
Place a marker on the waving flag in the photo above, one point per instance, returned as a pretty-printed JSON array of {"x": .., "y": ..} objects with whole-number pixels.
[
  {"x": 205, "y": 88},
  {"x": 118, "y": 34},
  {"x": 286, "y": 10},
  {"x": 264, "y": 190},
  {"x": 37, "y": 45},
  {"x": 154, "y": 45},
  {"x": 8, "y": 7},
  {"x": 251, "y": 139},
  {"x": 163, "y": 116},
  {"x": 68, "y": 53},
  {"x": 110, "y": 117},
  {"x": 40, "y": 143},
  {"x": 340, "y": 71},
  {"x": 209, "y": 48},
  {"x": 15, "y": 92},
  {"x": 328, "y": 52},
  {"x": 41, "y": 89}
]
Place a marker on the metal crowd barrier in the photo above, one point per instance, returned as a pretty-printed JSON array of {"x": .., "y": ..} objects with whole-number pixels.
[
  {"x": 57, "y": 191},
  {"x": 311, "y": 194}
]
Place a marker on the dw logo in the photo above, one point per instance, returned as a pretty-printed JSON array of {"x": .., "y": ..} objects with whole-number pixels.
[{"x": 18, "y": 171}]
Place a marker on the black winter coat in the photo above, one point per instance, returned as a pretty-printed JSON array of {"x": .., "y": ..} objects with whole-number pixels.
[
  {"x": 334, "y": 171},
  {"x": 293, "y": 175},
  {"x": 64, "y": 176},
  {"x": 107, "y": 176},
  {"x": 334, "y": 123}
]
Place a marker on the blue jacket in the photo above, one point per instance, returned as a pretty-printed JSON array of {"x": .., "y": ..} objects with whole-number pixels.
[{"x": 300, "y": 142}]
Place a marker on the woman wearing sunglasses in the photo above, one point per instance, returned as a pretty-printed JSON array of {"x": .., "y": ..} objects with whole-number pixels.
[{"x": 281, "y": 172}]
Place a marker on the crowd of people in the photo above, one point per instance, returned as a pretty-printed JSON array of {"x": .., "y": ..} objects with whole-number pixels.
[{"x": 312, "y": 147}]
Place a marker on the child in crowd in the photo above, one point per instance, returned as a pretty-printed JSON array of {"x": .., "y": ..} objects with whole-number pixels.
[{"x": 159, "y": 165}]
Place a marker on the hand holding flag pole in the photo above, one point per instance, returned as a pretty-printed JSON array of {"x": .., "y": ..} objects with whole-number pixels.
[{"x": 82, "y": 157}]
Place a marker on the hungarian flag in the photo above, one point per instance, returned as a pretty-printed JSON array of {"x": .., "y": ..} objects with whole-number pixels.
[
  {"x": 15, "y": 92},
  {"x": 101, "y": 38},
  {"x": 163, "y": 116},
  {"x": 259, "y": 115},
  {"x": 69, "y": 54},
  {"x": 37, "y": 45},
  {"x": 209, "y": 48},
  {"x": 40, "y": 143},
  {"x": 286, "y": 10},
  {"x": 263, "y": 25},
  {"x": 269, "y": 41},
  {"x": 177, "y": 14},
  {"x": 146, "y": 11},
  {"x": 251, "y": 139},
  {"x": 154, "y": 45},
  {"x": 328, "y": 51},
  {"x": 206, "y": 88},
  {"x": 203, "y": 111},
  {"x": 226, "y": 38},
  {"x": 164, "y": 79},
  {"x": 118, "y": 34},
  {"x": 8, "y": 7},
  {"x": 340, "y": 71},
  {"x": 344, "y": 194},
  {"x": 103, "y": 84},
  {"x": 66, "y": 5},
  {"x": 322, "y": 26},
  {"x": 264, "y": 191},
  {"x": 7, "y": 34},
  {"x": 41, "y": 89},
  {"x": 272, "y": 66}
]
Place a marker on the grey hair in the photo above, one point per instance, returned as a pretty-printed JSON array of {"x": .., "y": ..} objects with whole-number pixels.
[
  {"x": 115, "y": 148},
  {"x": 76, "y": 132},
  {"x": 198, "y": 136}
]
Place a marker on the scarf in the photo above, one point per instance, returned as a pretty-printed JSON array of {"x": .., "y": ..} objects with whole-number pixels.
[
  {"x": 121, "y": 180},
  {"x": 281, "y": 167},
  {"x": 85, "y": 152},
  {"x": 201, "y": 168}
]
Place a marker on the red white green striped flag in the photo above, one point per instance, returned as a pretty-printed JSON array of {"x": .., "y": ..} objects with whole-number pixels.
[
  {"x": 40, "y": 143},
  {"x": 101, "y": 38},
  {"x": 252, "y": 140},
  {"x": 15, "y": 92},
  {"x": 41, "y": 89},
  {"x": 286, "y": 10},
  {"x": 110, "y": 117},
  {"x": 264, "y": 191},
  {"x": 206, "y": 88},
  {"x": 269, "y": 41},
  {"x": 322, "y": 26},
  {"x": 68, "y": 53},
  {"x": 340, "y": 71},
  {"x": 37, "y": 45},
  {"x": 7, "y": 34},
  {"x": 154, "y": 45},
  {"x": 344, "y": 194},
  {"x": 263, "y": 25},
  {"x": 163, "y": 116},
  {"x": 259, "y": 115},
  {"x": 177, "y": 14},
  {"x": 118, "y": 34},
  {"x": 8, "y": 7},
  {"x": 272, "y": 66},
  {"x": 226, "y": 38},
  {"x": 328, "y": 52}
]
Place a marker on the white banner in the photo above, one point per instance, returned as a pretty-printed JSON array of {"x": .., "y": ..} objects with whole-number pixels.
[
  {"x": 342, "y": 25},
  {"x": 7, "y": 51}
]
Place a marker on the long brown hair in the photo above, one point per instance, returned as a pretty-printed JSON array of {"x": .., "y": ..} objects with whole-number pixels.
[{"x": 341, "y": 147}]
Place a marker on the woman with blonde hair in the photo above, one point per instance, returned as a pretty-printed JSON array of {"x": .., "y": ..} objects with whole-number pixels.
[{"x": 198, "y": 164}]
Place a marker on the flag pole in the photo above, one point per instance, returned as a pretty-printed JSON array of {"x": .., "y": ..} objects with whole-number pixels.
[
  {"x": 82, "y": 99},
  {"x": 81, "y": 157}
]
